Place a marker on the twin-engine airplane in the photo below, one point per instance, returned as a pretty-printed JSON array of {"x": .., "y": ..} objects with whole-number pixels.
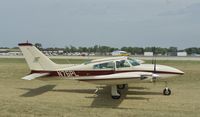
[{"x": 114, "y": 71}]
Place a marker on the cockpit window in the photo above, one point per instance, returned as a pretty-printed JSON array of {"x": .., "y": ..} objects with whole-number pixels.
[
  {"x": 122, "y": 64},
  {"x": 108, "y": 65},
  {"x": 133, "y": 62}
]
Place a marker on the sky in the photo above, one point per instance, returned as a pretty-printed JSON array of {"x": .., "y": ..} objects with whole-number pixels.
[{"x": 116, "y": 23}]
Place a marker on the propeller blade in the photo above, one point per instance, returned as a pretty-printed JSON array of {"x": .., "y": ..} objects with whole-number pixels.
[
  {"x": 155, "y": 64},
  {"x": 154, "y": 75},
  {"x": 154, "y": 55}
]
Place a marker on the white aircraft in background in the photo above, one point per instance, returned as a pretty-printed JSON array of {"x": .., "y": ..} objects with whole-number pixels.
[{"x": 114, "y": 71}]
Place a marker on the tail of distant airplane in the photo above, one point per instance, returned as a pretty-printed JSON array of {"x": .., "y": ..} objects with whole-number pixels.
[{"x": 36, "y": 59}]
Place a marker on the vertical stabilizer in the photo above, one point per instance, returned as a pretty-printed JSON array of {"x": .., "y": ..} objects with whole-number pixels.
[{"x": 36, "y": 59}]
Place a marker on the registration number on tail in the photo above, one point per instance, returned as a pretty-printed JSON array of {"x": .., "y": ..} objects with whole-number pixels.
[{"x": 67, "y": 74}]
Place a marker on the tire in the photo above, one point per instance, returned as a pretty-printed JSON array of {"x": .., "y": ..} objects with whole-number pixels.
[
  {"x": 117, "y": 97},
  {"x": 167, "y": 92}
]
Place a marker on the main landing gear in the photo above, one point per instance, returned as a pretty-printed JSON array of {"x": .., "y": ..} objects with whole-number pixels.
[{"x": 115, "y": 93}]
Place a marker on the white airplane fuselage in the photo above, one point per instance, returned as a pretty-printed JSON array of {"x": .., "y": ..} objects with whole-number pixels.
[{"x": 87, "y": 70}]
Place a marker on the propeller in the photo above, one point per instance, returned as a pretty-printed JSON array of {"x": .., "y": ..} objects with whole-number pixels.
[
  {"x": 154, "y": 74},
  {"x": 154, "y": 62}
]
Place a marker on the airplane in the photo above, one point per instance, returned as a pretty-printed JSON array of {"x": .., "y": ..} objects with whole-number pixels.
[{"x": 116, "y": 72}]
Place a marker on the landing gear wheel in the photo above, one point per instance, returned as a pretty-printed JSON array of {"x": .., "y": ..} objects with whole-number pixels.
[
  {"x": 116, "y": 96},
  {"x": 121, "y": 86},
  {"x": 166, "y": 91}
]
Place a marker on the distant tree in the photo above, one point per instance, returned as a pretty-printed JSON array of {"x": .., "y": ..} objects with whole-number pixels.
[
  {"x": 148, "y": 49},
  {"x": 156, "y": 50},
  {"x": 67, "y": 49},
  {"x": 198, "y": 51},
  {"x": 138, "y": 51},
  {"x": 192, "y": 50},
  {"x": 85, "y": 49},
  {"x": 49, "y": 49},
  {"x": 38, "y": 45},
  {"x": 15, "y": 48},
  {"x": 4, "y": 48},
  {"x": 124, "y": 49},
  {"x": 161, "y": 51},
  {"x": 111, "y": 49},
  {"x": 73, "y": 48},
  {"x": 172, "y": 49},
  {"x": 103, "y": 50},
  {"x": 96, "y": 48},
  {"x": 90, "y": 49}
]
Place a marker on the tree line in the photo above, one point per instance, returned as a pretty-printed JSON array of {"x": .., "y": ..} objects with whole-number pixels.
[
  {"x": 132, "y": 50},
  {"x": 107, "y": 49}
]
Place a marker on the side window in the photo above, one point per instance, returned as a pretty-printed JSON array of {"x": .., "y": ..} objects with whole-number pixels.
[
  {"x": 109, "y": 65},
  {"x": 122, "y": 64}
]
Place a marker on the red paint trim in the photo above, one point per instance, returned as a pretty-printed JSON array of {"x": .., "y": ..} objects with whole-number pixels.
[
  {"x": 95, "y": 73},
  {"x": 80, "y": 73},
  {"x": 25, "y": 44}
]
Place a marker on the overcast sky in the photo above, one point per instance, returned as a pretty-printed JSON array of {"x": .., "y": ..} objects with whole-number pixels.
[{"x": 114, "y": 23}]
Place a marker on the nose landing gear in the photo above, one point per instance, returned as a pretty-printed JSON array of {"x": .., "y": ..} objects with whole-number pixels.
[{"x": 166, "y": 90}]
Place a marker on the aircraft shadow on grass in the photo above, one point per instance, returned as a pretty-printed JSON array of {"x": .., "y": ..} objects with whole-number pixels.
[
  {"x": 102, "y": 98},
  {"x": 37, "y": 91}
]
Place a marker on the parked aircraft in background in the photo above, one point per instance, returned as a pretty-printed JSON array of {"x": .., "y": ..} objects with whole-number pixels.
[
  {"x": 114, "y": 71},
  {"x": 119, "y": 53}
]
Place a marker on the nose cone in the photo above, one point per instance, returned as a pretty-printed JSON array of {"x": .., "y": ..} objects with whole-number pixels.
[
  {"x": 161, "y": 70},
  {"x": 179, "y": 71},
  {"x": 169, "y": 70}
]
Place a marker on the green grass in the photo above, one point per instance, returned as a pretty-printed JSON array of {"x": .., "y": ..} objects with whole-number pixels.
[{"x": 68, "y": 98}]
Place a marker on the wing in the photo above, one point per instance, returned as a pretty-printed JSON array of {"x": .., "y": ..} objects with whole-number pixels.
[
  {"x": 34, "y": 75},
  {"x": 116, "y": 78}
]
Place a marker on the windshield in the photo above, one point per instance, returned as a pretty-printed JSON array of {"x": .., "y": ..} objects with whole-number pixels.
[{"x": 133, "y": 62}]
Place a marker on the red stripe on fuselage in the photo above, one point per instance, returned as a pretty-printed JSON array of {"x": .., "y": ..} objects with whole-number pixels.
[
  {"x": 80, "y": 73},
  {"x": 96, "y": 72}
]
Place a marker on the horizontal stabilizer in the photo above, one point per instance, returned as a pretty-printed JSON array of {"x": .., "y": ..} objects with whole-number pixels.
[{"x": 34, "y": 75}]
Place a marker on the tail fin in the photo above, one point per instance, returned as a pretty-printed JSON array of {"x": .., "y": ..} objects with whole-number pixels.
[{"x": 36, "y": 59}]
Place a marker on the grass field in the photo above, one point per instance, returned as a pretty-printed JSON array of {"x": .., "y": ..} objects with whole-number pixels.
[{"x": 68, "y": 98}]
